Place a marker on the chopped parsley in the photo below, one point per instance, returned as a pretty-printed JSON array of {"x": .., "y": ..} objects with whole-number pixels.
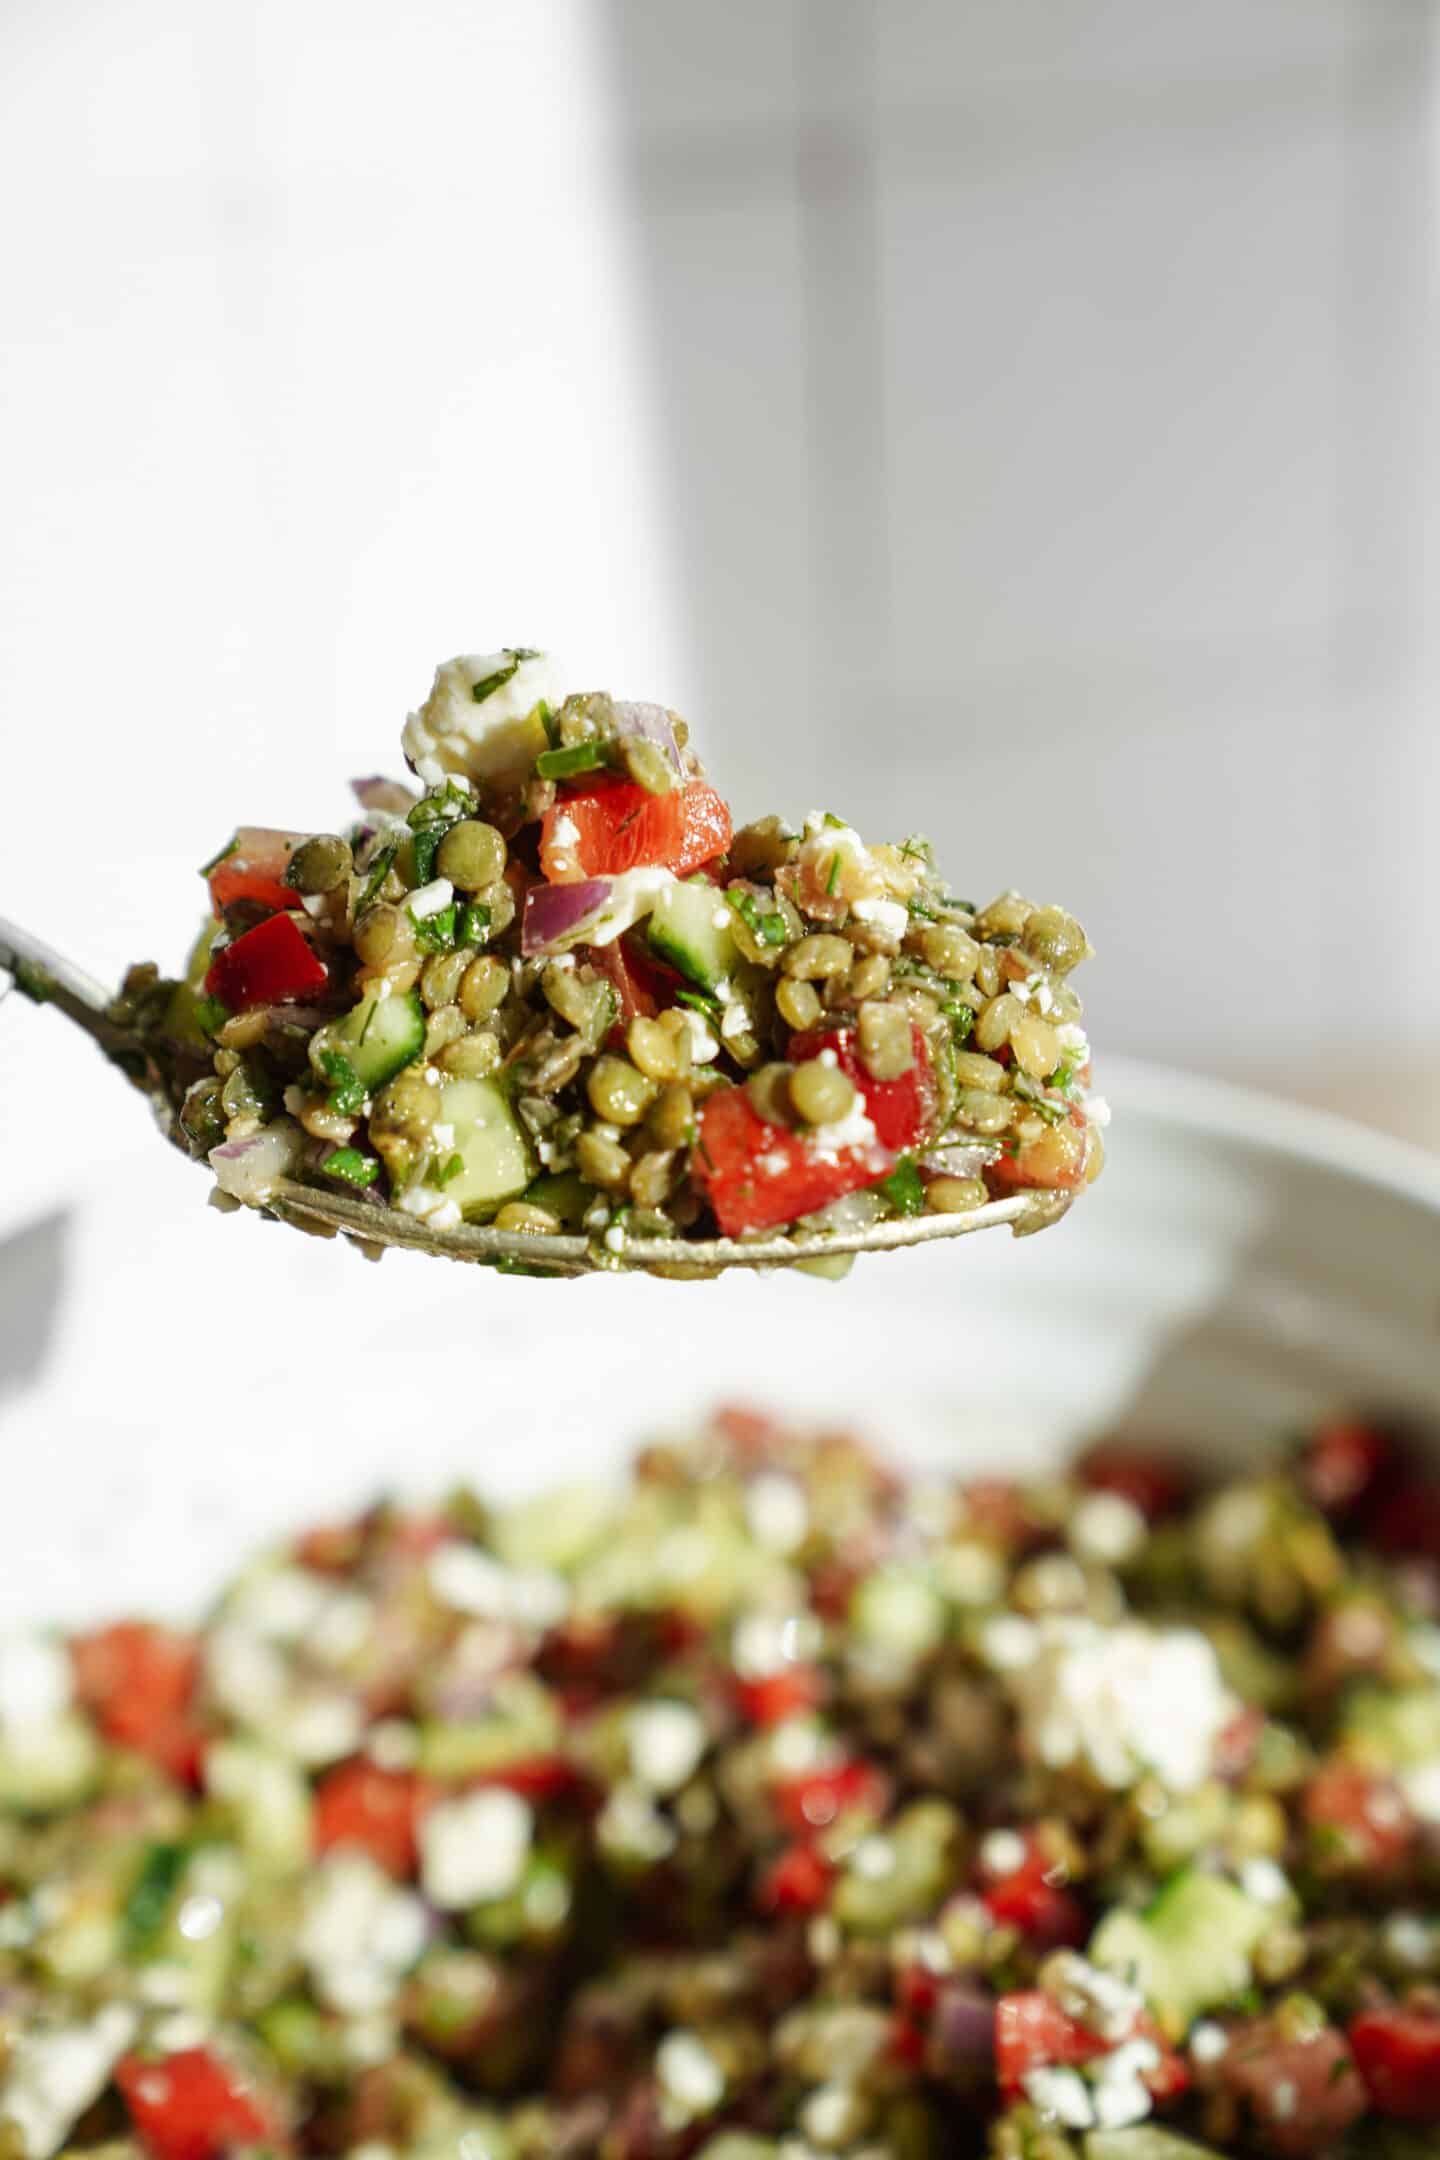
[
  {"x": 769, "y": 929},
  {"x": 379, "y": 871},
  {"x": 916, "y": 850},
  {"x": 427, "y": 847},
  {"x": 435, "y": 933},
  {"x": 355, "y": 1169},
  {"x": 921, "y": 909},
  {"x": 834, "y": 877},
  {"x": 151, "y": 1893},
  {"x": 450, "y": 1168},
  {"x": 347, "y": 1089},
  {"x": 230, "y": 848},
  {"x": 211, "y": 1014},
  {"x": 905, "y": 1188},
  {"x": 473, "y": 924},
  {"x": 961, "y": 1019},
  {"x": 489, "y": 684},
  {"x": 702, "y": 1002},
  {"x": 564, "y": 764}
]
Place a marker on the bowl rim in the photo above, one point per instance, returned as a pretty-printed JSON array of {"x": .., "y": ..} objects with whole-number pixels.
[{"x": 1321, "y": 1138}]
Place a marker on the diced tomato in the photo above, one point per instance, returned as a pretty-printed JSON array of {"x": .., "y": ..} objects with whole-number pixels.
[
  {"x": 1045, "y": 1912},
  {"x": 619, "y": 826},
  {"x": 1053, "y": 1163},
  {"x": 1301, "y": 2094},
  {"x": 1359, "y": 1818},
  {"x": 270, "y": 965},
  {"x": 1398, "y": 2052},
  {"x": 254, "y": 869},
  {"x": 138, "y": 1682},
  {"x": 357, "y": 1803},
  {"x": 538, "y": 1778},
  {"x": 1034, "y": 2033},
  {"x": 818, "y": 1798},
  {"x": 779, "y": 1695},
  {"x": 758, "y": 1175},
  {"x": 1406, "y": 1518},
  {"x": 638, "y": 984},
  {"x": 1344, "y": 1461},
  {"x": 798, "y": 1882},
  {"x": 193, "y": 2106},
  {"x": 1153, "y": 1482}
]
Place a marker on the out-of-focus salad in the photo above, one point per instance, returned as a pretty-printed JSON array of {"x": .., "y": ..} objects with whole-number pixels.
[
  {"x": 771, "y": 1806},
  {"x": 554, "y": 990}
]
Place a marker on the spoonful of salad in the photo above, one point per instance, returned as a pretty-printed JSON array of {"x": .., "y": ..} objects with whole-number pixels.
[{"x": 546, "y": 1008}]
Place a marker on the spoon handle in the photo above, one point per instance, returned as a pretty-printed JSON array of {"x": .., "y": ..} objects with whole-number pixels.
[{"x": 47, "y": 978}]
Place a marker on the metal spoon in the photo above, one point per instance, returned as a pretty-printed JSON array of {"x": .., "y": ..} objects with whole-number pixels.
[{"x": 49, "y": 979}]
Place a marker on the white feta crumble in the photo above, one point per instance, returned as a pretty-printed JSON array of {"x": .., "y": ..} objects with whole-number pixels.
[
  {"x": 1208, "y": 2041},
  {"x": 1264, "y": 1881},
  {"x": 475, "y": 1848},
  {"x": 565, "y": 833},
  {"x": 1097, "y": 1110},
  {"x": 1008, "y": 1641},
  {"x": 430, "y": 1206},
  {"x": 1123, "y": 1701},
  {"x": 855, "y": 1130},
  {"x": 36, "y": 1681},
  {"x": 1002, "y": 1852},
  {"x": 666, "y": 1741},
  {"x": 890, "y": 916},
  {"x": 1421, "y": 1787},
  {"x": 614, "y": 1239},
  {"x": 734, "y": 1020},
  {"x": 704, "y": 1049},
  {"x": 631, "y": 1827},
  {"x": 430, "y": 899},
  {"x": 1410, "y": 1940},
  {"x": 1106, "y": 1528},
  {"x": 1061, "y": 2094},
  {"x": 360, "y": 1934},
  {"x": 495, "y": 737},
  {"x": 777, "y": 1514},
  {"x": 470, "y": 1581},
  {"x": 1120, "y": 2095},
  {"x": 1095, "y": 1999},
  {"x": 54, "y": 2074},
  {"x": 690, "y": 2078}
]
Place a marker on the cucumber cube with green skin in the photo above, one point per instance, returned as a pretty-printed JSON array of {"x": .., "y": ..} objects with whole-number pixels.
[
  {"x": 689, "y": 930},
  {"x": 1190, "y": 1951},
  {"x": 376, "y": 1039},
  {"x": 496, "y": 1163}
]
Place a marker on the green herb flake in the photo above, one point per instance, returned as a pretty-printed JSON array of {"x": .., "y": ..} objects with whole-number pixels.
[
  {"x": 350, "y": 1165},
  {"x": 961, "y": 1019},
  {"x": 473, "y": 923},
  {"x": 450, "y": 1168},
  {"x": 921, "y": 909},
  {"x": 211, "y": 1014},
  {"x": 769, "y": 929},
  {"x": 427, "y": 847},
  {"x": 564, "y": 764},
  {"x": 489, "y": 684},
  {"x": 435, "y": 933},
  {"x": 916, "y": 849},
  {"x": 833, "y": 879},
  {"x": 905, "y": 1188},
  {"x": 32, "y": 981},
  {"x": 700, "y": 1001},
  {"x": 347, "y": 1089},
  {"x": 379, "y": 871},
  {"x": 835, "y": 824},
  {"x": 150, "y": 1896},
  {"x": 545, "y": 713},
  {"x": 230, "y": 848}
]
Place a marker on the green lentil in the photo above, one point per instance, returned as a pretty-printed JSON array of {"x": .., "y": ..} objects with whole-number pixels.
[
  {"x": 483, "y": 987},
  {"x": 817, "y": 957},
  {"x": 618, "y": 1092},
  {"x": 472, "y": 856},
  {"x": 319, "y": 865},
  {"x": 820, "y": 1093}
]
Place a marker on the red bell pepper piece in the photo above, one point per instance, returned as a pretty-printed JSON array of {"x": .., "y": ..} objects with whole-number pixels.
[
  {"x": 1045, "y": 1912},
  {"x": 813, "y": 1801},
  {"x": 619, "y": 826},
  {"x": 360, "y": 1804},
  {"x": 138, "y": 1683},
  {"x": 254, "y": 869},
  {"x": 1033, "y": 2033},
  {"x": 779, "y": 1695},
  {"x": 193, "y": 2106},
  {"x": 798, "y": 1882},
  {"x": 758, "y": 1175},
  {"x": 269, "y": 965},
  {"x": 1398, "y": 2052}
]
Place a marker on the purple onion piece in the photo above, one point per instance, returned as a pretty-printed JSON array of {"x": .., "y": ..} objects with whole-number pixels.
[
  {"x": 554, "y": 913},
  {"x": 654, "y": 724},
  {"x": 961, "y": 2043},
  {"x": 378, "y": 793}
]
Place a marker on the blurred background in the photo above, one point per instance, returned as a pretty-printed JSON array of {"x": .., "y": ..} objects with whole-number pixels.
[{"x": 1007, "y": 418}]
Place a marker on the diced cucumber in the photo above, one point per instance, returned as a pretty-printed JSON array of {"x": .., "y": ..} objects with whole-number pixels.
[
  {"x": 1143, "y": 2142},
  {"x": 1401, "y": 1725},
  {"x": 267, "y": 1799},
  {"x": 1191, "y": 1950},
  {"x": 376, "y": 1039},
  {"x": 47, "y": 1765},
  {"x": 689, "y": 928},
  {"x": 198, "y": 1964},
  {"x": 563, "y": 1195},
  {"x": 495, "y": 1159}
]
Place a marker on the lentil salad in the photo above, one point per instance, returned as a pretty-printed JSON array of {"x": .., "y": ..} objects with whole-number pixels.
[
  {"x": 773, "y": 1806},
  {"x": 553, "y": 989}
]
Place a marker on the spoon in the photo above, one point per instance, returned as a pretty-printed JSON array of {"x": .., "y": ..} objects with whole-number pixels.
[{"x": 47, "y": 978}]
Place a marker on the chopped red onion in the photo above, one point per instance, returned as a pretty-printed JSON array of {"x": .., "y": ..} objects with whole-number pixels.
[
  {"x": 378, "y": 793},
  {"x": 250, "y": 1169},
  {"x": 656, "y": 725},
  {"x": 555, "y": 914}
]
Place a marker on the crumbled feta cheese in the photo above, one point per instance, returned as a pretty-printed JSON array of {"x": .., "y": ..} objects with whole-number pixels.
[
  {"x": 1421, "y": 1787},
  {"x": 614, "y": 1240},
  {"x": 734, "y": 1020},
  {"x": 475, "y": 1848},
  {"x": 1208, "y": 2041},
  {"x": 360, "y": 1933},
  {"x": 430, "y": 899},
  {"x": 36, "y": 1681},
  {"x": 1002, "y": 1852},
  {"x": 429, "y": 1205},
  {"x": 564, "y": 832},
  {"x": 1008, "y": 1641},
  {"x": 494, "y": 738},
  {"x": 666, "y": 1742},
  {"x": 1266, "y": 1882},
  {"x": 470, "y": 1581},
  {"x": 855, "y": 1130},
  {"x": 890, "y": 916},
  {"x": 777, "y": 1513},
  {"x": 55, "y": 2073},
  {"x": 1097, "y": 1110},
  {"x": 1123, "y": 1701},
  {"x": 1095, "y": 1999},
  {"x": 1120, "y": 2095},
  {"x": 631, "y": 1827},
  {"x": 1061, "y": 2094},
  {"x": 704, "y": 1049},
  {"x": 690, "y": 2078},
  {"x": 1106, "y": 1528},
  {"x": 1411, "y": 1940}
]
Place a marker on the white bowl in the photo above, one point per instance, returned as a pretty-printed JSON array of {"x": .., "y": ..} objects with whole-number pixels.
[{"x": 211, "y": 1380}]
